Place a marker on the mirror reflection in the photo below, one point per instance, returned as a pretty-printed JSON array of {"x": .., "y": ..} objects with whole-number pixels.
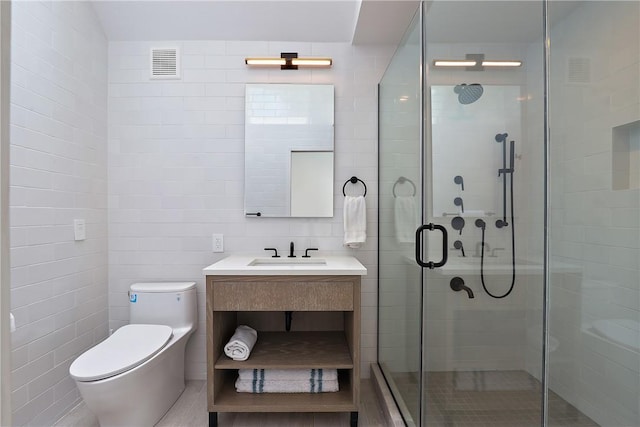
[
  {"x": 465, "y": 120},
  {"x": 289, "y": 130}
]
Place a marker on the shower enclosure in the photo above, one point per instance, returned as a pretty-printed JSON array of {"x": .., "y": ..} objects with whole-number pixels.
[{"x": 509, "y": 239}]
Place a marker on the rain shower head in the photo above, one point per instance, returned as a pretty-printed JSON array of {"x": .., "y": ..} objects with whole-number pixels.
[{"x": 468, "y": 94}]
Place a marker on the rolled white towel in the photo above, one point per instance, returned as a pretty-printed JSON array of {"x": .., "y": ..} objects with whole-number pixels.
[
  {"x": 241, "y": 343},
  {"x": 309, "y": 386},
  {"x": 288, "y": 374}
]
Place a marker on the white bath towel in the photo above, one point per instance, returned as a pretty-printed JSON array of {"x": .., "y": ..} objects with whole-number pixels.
[
  {"x": 241, "y": 343},
  {"x": 355, "y": 221},
  {"x": 309, "y": 386},
  {"x": 288, "y": 374},
  {"x": 405, "y": 218}
]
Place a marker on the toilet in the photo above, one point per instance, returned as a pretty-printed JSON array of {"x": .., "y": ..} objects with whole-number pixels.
[{"x": 133, "y": 377}]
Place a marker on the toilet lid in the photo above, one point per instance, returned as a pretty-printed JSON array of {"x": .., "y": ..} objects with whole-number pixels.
[{"x": 125, "y": 349}]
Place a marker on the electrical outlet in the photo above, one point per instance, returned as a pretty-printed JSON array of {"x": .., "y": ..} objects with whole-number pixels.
[{"x": 218, "y": 243}]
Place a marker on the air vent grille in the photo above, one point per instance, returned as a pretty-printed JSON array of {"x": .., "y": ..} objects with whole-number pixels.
[
  {"x": 578, "y": 70},
  {"x": 165, "y": 63}
]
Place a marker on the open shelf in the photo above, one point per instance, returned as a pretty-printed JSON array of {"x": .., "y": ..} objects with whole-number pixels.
[
  {"x": 228, "y": 400},
  {"x": 326, "y": 336},
  {"x": 294, "y": 350}
]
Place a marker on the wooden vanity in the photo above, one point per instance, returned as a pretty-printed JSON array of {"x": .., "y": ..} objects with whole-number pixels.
[{"x": 325, "y": 333}]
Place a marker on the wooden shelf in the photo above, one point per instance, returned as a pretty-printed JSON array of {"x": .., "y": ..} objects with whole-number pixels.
[
  {"x": 228, "y": 400},
  {"x": 294, "y": 350},
  {"x": 326, "y": 335}
]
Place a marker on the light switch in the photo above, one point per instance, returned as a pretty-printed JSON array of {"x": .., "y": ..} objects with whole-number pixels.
[{"x": 79, "y": 229}]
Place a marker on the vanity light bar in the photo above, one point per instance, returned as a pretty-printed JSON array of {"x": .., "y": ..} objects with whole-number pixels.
[
  {"x": 265, "y": 62},
  {"x": 312, "y": 62},
  {"x": 289, "y": 61}
]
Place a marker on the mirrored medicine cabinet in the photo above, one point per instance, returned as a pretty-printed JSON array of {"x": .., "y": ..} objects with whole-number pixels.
[{"x": 289, "y": 131}]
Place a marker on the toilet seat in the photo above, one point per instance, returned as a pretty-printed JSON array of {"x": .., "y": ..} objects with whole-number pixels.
[{"x": 126, "y": 348}]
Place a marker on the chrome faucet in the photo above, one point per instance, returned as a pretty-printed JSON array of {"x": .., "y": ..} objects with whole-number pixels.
[{"x": 291, "y": 255}]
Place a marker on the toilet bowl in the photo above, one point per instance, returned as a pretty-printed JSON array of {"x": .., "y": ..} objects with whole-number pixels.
[{"x": 133, "y": 377}]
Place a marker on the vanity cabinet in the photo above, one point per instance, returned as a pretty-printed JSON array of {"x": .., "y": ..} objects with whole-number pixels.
[{"x": 325, "y": 333}]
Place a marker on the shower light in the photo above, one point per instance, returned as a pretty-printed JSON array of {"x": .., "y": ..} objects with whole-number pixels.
[
  {"x": 501, "y": 63},
  {"x": 454, "y": 63},
  {"x": 475, "y": 62}
]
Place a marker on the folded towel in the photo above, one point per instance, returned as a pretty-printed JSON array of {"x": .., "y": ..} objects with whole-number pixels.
[
  {"x": 405, "y": 218},
  {"x": 288, "y": 374},
  {"x": 241, "y": 343},
  {"x": 309, "y": 386},
  {"x": 355, "y": 221}
]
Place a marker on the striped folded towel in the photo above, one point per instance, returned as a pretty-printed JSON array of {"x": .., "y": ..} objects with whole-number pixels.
[
  {"x": 288, "y": 374},
  {"x": 309, "y": 386}
]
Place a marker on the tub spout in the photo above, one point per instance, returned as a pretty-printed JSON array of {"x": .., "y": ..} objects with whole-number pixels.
[{"x": 457, "y": 284}]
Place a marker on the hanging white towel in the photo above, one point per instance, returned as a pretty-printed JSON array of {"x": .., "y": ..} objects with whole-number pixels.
[
  {"x": 405, "y": 218},
  {"x": 241, "y": 343},
  {"x": 355, "y": 221}
]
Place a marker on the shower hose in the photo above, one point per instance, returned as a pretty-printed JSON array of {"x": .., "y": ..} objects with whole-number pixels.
[{"x": 513, "y": 250}]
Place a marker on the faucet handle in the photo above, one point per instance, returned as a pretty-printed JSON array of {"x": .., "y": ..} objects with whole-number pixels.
[
  {"x": 306, "y": 252},
  {"x": 275, "y": 250}
]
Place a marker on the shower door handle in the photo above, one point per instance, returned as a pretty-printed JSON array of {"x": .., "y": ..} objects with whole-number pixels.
[{"x": 445, "y": 245}]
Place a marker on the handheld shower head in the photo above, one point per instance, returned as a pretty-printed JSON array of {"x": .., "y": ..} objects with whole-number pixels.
[
  {"x": 458, "y": 202},
  {"x": 480, "y": 223}
]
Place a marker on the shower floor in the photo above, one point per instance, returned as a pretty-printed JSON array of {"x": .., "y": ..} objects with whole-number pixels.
[{"x": 488, "y": 399}]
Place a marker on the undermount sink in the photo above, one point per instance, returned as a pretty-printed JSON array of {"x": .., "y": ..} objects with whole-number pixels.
[{"x": 287, "y": 261}]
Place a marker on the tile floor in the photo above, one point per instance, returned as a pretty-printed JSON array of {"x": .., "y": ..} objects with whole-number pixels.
[
  {"x": 489, "y": 399},
  {"x": 456, "y": 399},
  {"x": 191, "y": 410}
]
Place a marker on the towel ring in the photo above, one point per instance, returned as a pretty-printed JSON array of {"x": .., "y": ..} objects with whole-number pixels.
[
  {"x": 402, "y": 180},
  {"x": 354, "y": 180}
]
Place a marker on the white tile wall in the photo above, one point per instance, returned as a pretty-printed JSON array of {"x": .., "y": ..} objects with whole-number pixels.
[
  {"x": 58, "y": 173},
  {"x": 176, "y": 167}
]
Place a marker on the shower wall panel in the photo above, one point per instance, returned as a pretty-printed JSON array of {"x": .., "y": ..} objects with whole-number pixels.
[{"x": 595, "y": 227}]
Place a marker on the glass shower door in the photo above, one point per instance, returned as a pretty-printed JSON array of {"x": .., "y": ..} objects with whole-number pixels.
[
  {"x": 400, "y": 213},
  {"x": 484, "y": 157}
]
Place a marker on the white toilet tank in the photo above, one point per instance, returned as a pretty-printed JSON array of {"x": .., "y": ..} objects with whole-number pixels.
[{"x": 164, "y": 303}]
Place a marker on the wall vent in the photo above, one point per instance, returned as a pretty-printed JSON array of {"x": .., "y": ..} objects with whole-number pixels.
[
  {"x": 165, "y": 63},
  {"x": 578, "y": 70}
]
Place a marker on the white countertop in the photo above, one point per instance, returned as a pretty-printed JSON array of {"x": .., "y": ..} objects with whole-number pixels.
[{"x": 240, "y": 265}]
